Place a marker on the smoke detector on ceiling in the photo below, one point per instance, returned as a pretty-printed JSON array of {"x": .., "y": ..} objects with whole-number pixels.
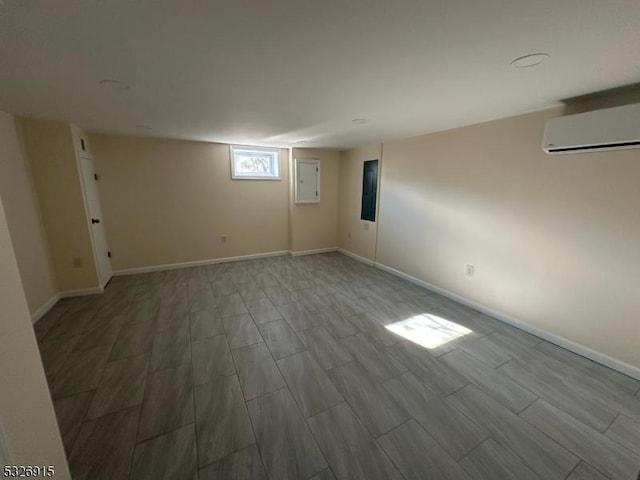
[
  {"x": 114, "y": 85},
  {"x": 529, "y": 60}
]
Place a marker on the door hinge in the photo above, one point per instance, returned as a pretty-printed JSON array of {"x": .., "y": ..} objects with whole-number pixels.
[
  {"x": 316, "y": 194},
  {"x": 316, "y": 169},
  {"x": 108, "y": 254},
  {"x": 95, "y": 177}
]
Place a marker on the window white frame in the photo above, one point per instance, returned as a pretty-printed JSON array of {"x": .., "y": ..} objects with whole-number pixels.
[{"x": 236, "y": 151}]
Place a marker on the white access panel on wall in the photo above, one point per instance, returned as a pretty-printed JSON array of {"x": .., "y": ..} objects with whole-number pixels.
[{"x": 307, "y": 180}]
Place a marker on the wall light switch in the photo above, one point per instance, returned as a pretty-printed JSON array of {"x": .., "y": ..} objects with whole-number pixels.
[{"x": 470, "y": 270}]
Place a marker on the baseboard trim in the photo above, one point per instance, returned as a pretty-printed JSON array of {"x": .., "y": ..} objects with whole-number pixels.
[
  {"x": 357, "y": 257},
  {"x": 48, "y": 305},
  {"x": 81, "y": 292},
  {"x": 42, "y": 311},
  {"x": 196, "y": 263},
  {"x": 104, "y": 285},
  {"x": 313, "y": 252},
  {"x": 594, "y": 355}
]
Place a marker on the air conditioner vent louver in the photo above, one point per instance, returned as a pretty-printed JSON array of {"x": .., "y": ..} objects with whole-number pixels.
[{"x": 608, "y": 129}]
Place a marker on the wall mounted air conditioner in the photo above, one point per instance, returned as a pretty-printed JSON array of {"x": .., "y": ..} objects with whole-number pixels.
[{"x": 608, "y": 129}]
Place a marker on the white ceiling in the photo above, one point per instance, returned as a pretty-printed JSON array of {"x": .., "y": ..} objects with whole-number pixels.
[{"x": 280, "y": 71}]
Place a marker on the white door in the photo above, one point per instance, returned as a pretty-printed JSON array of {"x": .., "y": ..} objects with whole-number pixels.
[{"x": 96, "y": 219}]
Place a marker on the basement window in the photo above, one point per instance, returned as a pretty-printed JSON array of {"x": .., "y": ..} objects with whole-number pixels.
[{"x": 255, "y": 163}]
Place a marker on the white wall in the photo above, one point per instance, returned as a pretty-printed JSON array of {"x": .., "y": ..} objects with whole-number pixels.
[
  {"x": 554, "y": 239},
  {"x": 314, "y": 226},
  {"x": 23, "y": 217},
  {"x": 51, "y": 155},
  {"x": 355, "y": 235},
  {"x": 170, "y": 201},
  {"x": 27, "y": 417}
]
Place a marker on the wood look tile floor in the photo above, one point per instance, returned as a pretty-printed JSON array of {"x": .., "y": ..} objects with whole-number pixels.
[{"x": 284, "y": 368}]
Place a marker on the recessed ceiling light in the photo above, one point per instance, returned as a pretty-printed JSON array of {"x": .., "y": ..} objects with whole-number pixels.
[
  {"x": 114, "y": 85},
  {"x": 530, "y": 60},
  {"x": 360, "y": 121}
]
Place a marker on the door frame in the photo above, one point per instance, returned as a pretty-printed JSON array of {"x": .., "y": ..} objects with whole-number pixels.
[{"x": 88, "y": 156}]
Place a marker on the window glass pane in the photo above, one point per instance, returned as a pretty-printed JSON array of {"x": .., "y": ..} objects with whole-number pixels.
[
  {"x": 248, "y": 163},
  {"x": 255, "y": 163}
]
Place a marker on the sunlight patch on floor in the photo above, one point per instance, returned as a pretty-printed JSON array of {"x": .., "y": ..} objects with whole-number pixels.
[{"x": 429, "y": 331}]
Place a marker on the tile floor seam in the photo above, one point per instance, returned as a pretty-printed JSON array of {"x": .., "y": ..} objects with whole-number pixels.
[
  {"x": 384, "y": 452},
  {"x": 611, "y": 423},
  {"x": 315, "y": 439},
  {"x": 246, "y": 409},
  {"x": 519, "y": 415},
  {"x": 172, "y": 430},
  {"x": 489, "y": 437},
  {"x": 634, "y": 453},
  {"x": 193, "y": 398}
]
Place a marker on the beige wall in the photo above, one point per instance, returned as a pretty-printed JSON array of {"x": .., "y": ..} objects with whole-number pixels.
[
  {"x": 554, "y": 239},
  {"x": 52, "y": 158},
  {"x": 169, "y": 201},
  {"x": 356, "y": 235},
  {"x": 23, "y": 217},
  {"x": 27, "y": 419},
  {"x": 315, "y": 225}
]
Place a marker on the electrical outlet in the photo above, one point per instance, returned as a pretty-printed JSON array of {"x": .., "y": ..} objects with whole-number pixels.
[
  {"x": 470, "y": 270},
  {"x": 349, "y": 235},
  {"x": 77, "y": 262},
  {"x": 223, "y": 239}
]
